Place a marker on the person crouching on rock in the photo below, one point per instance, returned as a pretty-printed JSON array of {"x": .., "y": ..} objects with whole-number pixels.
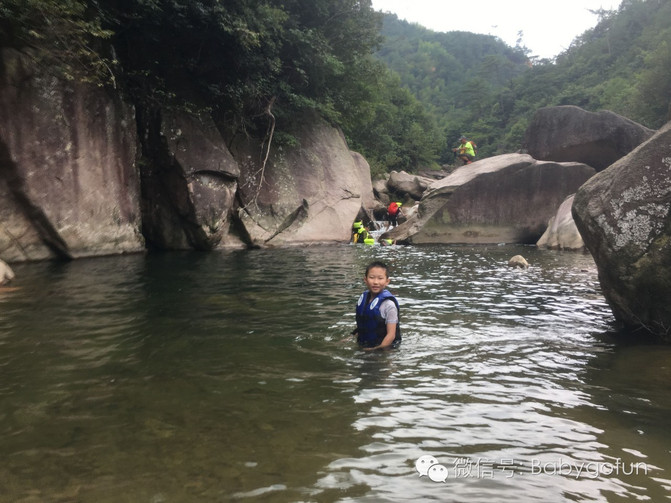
[{"x": 466, "y": 150}]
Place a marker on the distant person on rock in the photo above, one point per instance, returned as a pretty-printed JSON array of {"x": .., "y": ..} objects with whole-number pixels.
[
  {"x": 377, "y": 311},
  {"x": 466, "y": 151}
]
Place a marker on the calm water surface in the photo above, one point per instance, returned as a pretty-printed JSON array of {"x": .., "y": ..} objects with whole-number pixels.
[{"x": 226, "y": 376}]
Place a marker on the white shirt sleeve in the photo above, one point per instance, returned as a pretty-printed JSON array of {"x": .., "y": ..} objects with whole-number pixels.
[{"x": 389, "y": 311}]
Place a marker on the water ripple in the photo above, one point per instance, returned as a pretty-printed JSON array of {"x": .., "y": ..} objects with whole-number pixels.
[{"x": 229, "y": 376}]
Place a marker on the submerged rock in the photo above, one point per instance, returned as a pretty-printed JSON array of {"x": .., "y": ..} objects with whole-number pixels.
[
  {"x": 518, "y": 261},
  {"x": 6, "y": 273},
  {"x": 562, "y": 233}
]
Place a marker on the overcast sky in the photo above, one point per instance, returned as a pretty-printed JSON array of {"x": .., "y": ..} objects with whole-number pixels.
[{"x": 547, "y": 26}]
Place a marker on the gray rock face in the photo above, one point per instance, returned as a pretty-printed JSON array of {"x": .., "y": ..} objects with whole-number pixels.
[
  {"x": 189, "y": 181},
  {"x": 201, "y": 191},
  {"x": 68, "y": 175},
  {"x": 562, "y": 233},
  {"x": 380, "y": 191},
  {"x": 623, "y": 215},
  {"x": 507, "y": 198},
  {"x": 407, "y": 185},
  {"x": 306, "y": 194},
  {"x": 362, "y": 170},
  {"x": 211, "y": 174},
  {"x": 6, "y": 273},
  {"x": 571, "y": 134},
  {"x": 78, "y": 178}
]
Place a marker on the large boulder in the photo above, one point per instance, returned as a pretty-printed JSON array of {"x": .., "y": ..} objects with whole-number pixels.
[
  {"x": 189, "y": 181},
  {"x": 202, "y": 190},
  {"x": 362, "y": 169},
  {"x": 307, "y": 194},
  {"x": 623, "y": 215},
  {"x": 507, "y": 198},
  {"x": 83, "y": 174},
  {"x": 405, "y": 185},
  {"x": 380, "y": 190},
  {"x": 68, "y": 174},
  {"x": 6, "y": 273},
  {"x": 571, "y": 134},
  {"x": 562, "y": 233}
]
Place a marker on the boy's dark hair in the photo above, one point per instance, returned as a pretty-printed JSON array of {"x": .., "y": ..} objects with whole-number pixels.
[{"x": 379, "y": 264}]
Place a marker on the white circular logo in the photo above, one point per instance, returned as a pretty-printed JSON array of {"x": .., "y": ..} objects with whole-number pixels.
[
  {"x": 424, "y": 463},
  {"x": 438, "y": 473}
]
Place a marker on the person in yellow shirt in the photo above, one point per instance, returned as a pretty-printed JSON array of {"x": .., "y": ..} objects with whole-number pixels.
[{"x": 466, "y": 150}]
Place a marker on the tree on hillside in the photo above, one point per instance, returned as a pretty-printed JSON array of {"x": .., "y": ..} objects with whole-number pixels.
[
  {"x": 238, "y": 56},
  {"x": 456, "y": 76},
  {"x": 65, "y": 37},
  {"x": 654, "y": 90},
  {"x": 389, "y": 126},
  {"x": 248, "y": 60}
]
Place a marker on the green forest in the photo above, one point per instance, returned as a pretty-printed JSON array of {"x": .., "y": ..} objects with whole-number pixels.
[
  {"x": 401, "y": 93},
  {"x": 476, "y": 85}
]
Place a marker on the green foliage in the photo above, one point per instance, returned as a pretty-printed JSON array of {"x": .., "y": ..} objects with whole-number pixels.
[
  {"x": 476, "y": 85},
  {"x": 619, "y": 64},
  {"x": 237, "y": 56},
  {"x": 457, "y": 76},
  {"x": 387, "y": 124},
  {"x": 653, "y": 95},
  {"x": 61, "y": 35},
  {"x": 403, "y": 109}
]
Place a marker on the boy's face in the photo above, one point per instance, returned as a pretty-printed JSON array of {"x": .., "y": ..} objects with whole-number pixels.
[{"x": 376, "y": 280}]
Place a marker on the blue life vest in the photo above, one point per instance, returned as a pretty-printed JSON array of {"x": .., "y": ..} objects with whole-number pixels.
[{"x": 371, "y": 327}]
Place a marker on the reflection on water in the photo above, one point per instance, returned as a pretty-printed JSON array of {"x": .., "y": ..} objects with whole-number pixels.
[{"x": 226, "y": 377}]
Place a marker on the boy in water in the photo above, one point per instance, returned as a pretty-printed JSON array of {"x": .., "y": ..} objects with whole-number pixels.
[{"x": 377, "y": 311}]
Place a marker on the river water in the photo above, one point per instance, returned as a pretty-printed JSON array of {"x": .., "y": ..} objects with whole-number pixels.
[{"x": 228, "y": 376}]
